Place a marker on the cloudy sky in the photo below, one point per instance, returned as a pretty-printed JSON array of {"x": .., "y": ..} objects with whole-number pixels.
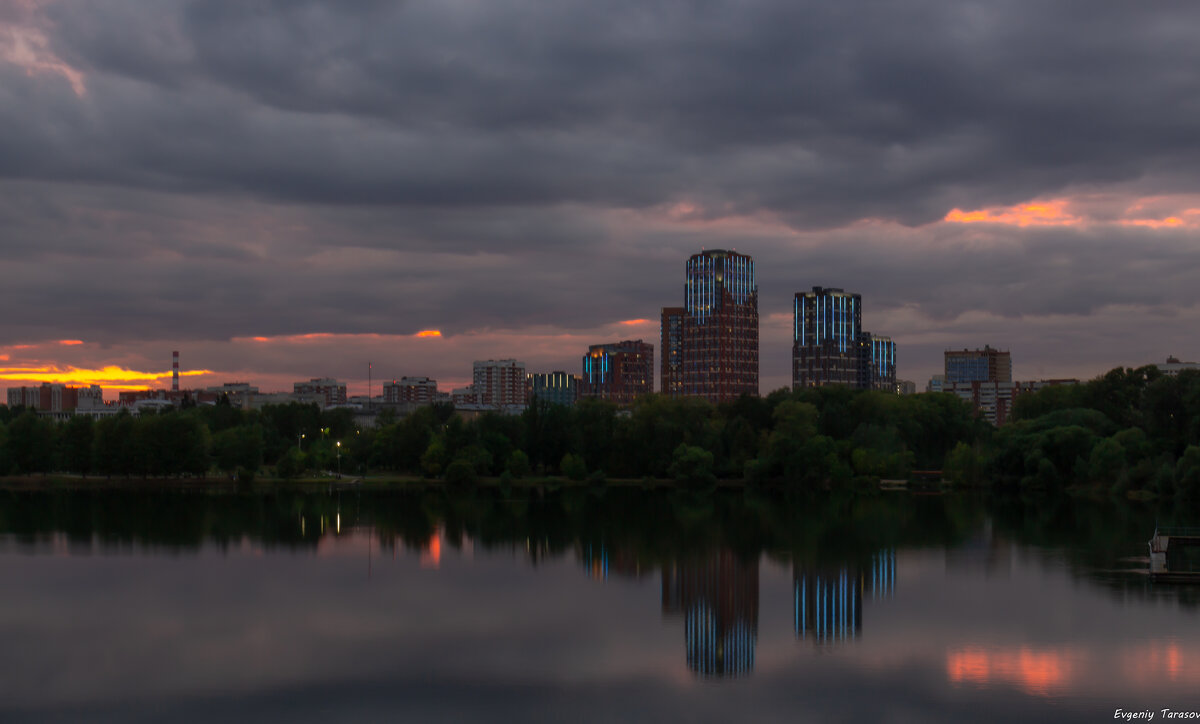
[{"x": 283, "y": 190}]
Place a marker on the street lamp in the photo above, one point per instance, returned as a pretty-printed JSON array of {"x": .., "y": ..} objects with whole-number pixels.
[
  {"x": 300, "y": 436},
  {"x": 339, "y": 456}
]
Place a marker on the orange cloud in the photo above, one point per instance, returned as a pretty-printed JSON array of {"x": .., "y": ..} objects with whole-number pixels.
[
  {"x": 632, "y": 322},
  {"x": 3, "y": 358},
  {"x": 430, "y": 333},
  {"x": 1149, "y": 212},
  {"x": 1043, "y": 213},
  {"x": 1166, "y": 223},
  {"x": 29, "y": 49},
  {"x": 310, "y": 337},
  {"x": 70, "y": 342}
]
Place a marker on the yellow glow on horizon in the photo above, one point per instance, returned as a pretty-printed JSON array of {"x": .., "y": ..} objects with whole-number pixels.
[
  {"x": 429, "y": 333},
  {"x": 110, "y": 376}
]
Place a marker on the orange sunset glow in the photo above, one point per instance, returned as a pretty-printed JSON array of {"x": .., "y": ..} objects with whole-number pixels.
[
  {"x": 430, "y": 333},
  {"x": 634, "y": 322},
  {"x": 1036, "y": 672},
  {"x": 1043, "y": 213},
  {"x": 110, "y": 377}
]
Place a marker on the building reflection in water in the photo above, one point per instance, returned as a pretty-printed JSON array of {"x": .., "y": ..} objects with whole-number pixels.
[
  {"x": 984, "y": 551},
  {"x": 828, "y": 601},
  {"x": 718, "y": 598}
]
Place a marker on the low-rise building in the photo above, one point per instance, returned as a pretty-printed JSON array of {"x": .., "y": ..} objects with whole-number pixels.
[
  {"x": 411, "y": 390},
  {"x": 54, "y": 397},
  {"x": 1173, "y": 366}
]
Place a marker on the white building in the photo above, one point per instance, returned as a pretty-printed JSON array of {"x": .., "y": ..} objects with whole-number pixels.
[{"x": 500, "y": 383}]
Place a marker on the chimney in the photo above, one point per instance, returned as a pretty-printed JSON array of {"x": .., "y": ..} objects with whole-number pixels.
[{"x": 175, "y": 371}]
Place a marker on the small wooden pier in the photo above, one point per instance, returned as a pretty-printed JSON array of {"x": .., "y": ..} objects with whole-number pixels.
[{"x": 1168, "y": 560}]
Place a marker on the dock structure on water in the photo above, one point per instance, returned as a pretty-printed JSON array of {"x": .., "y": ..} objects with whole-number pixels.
[{"x": 1170, "y": 561}]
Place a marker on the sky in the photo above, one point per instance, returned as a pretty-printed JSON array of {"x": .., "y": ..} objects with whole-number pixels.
[{"x": 285, "y": 190}]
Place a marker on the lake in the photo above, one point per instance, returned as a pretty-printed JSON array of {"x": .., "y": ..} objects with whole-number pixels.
[{"x": 585, "y": 605}]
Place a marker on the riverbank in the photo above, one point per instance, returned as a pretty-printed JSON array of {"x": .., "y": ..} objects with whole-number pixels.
[{"x": 315, "y": 484}]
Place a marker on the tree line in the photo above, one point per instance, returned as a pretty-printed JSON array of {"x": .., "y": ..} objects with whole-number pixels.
[
  {"x": 1128, "y": 430},
  {"x": 816, "y": 438}
]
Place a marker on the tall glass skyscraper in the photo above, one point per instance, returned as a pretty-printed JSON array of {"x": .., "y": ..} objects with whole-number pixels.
[
  {"x": 829, "y": 346},
  {"x": 717, "y": 344}
]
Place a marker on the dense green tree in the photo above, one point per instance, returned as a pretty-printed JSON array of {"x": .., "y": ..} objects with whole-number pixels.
[
  {"x": 112, "y": 445},
  {"x": 31, "y": 442},
  {"x": 435, "y": 458},
  {"x": 518, "y": 464},
  {"x": 75, "y": 445},
  {"x": 692, "y": 466},
  {"x": 573, "y": 467},
  {"x": 239, "y": 447},
  {"x": 964, "y": 465},
  {"x": 460, "y": 473},
  {"x": 1187, "y": 473},
  {"x": 291, "y": 464},
  {"x": 1106, "y": 462},
  {"x": 5, "y": 460}
]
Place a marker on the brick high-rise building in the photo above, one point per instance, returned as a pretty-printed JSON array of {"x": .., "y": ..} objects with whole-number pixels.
[
  {"x": 500, "y": 383},
  {"x": 719, "y": 328},
  {"x": 333, "y": 391},
  {"x": 620, "y": 372}
]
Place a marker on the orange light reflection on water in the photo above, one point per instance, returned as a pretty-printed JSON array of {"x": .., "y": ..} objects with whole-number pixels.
[{"x": 1036, "y": 672}]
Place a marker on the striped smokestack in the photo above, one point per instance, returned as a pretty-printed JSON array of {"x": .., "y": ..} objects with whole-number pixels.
[{"x": 175, "y": 371}]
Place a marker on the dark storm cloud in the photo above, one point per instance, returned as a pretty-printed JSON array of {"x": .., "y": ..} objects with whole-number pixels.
[
  {"x": 826, "y": 112},
  {"x": 240, "y": 168}
]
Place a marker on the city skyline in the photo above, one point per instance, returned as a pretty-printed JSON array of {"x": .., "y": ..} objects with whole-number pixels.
[{"x": 288, "y": 192}]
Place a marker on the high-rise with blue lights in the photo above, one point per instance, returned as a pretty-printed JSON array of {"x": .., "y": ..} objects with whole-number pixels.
[
  {"x": 829, "y": 346},
  {"x": 718, "y": 349},
  {"x": 883, "y": 363},
  {"x": 554, "y": 388}
]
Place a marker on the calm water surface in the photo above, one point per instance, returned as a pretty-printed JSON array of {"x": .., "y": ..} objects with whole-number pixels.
[{"x": 584, "y": 606}]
